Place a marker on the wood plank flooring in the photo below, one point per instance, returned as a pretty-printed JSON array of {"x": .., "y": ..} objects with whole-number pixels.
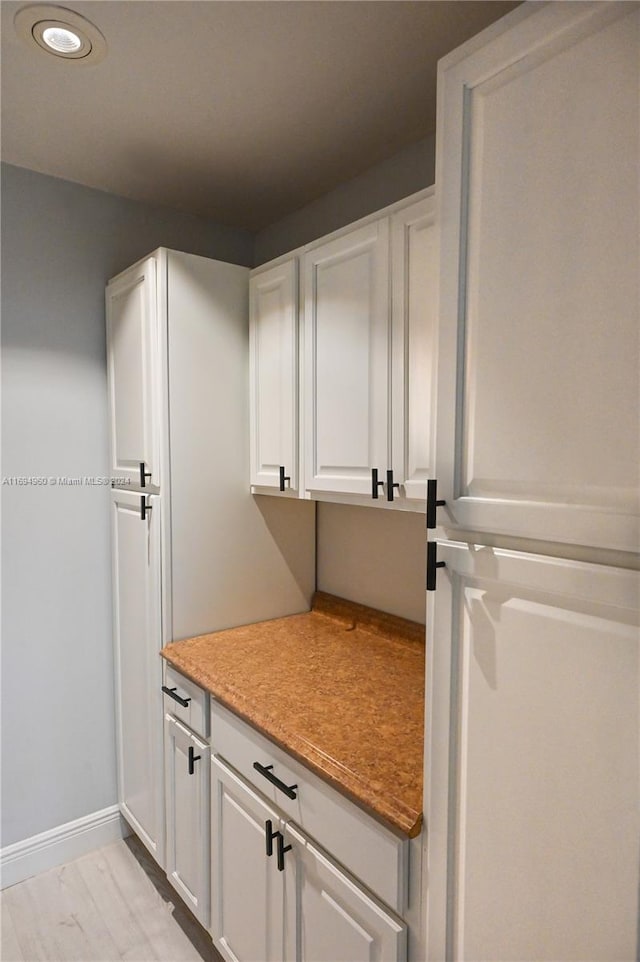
[{"x": 110, "y": 905}]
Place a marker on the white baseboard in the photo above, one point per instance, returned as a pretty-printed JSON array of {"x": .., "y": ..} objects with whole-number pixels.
[{"x": 59, "y": 845}]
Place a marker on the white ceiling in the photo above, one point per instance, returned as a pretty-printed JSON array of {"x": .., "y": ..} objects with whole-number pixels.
[{"x": 242, "y": 111}]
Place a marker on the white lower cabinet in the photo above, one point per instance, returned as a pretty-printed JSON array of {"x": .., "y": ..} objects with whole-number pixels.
[
  {"x": 247, "y": 917},
  {"x": 277, "y": 897},
  {"x": 328, "y": 916},
  {"x": 187, "y": 813}
]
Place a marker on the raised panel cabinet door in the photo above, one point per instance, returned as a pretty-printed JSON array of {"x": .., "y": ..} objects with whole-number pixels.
[
  {"x": 138, "y": 668},
  {"x": 273, "y": 361},
  {"x": 534, "y": 726},
  {"x": 347, "y": 350},
  {"x": 133, "y": 371},
  {"x": 246, "y": 887},
  {"x": 330, "y": 917},
  {"x": 538, "y": 398},
  {"x": 414, "y": 275},
  {"x": 188, "y": 858}
]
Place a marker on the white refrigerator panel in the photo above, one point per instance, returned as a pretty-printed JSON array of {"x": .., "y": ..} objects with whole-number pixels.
[{"x": 533, "y": 724}]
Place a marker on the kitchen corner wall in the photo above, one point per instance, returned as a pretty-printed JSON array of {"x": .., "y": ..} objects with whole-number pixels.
[
  {"x": 404, "y": 173},
  {"x": 60, "y": 244},
  {"x": 370, "y": 555}
]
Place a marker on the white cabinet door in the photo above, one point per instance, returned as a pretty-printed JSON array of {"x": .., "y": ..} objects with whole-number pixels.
[
  {"x": 533, "y": 723},
  {"x": 347, "y": 378},
  {"x": 414, "y": 301},
  {"x": 273, "y": 363},
  {"x": 188, "y": 858},
  {"x": 137, "y": 638},
  {"x": 538, "y": 398},
  {"x": 133, "y": 361},
  {"x": 329, "y": 917},
  {"x": 247, "y": 889}
]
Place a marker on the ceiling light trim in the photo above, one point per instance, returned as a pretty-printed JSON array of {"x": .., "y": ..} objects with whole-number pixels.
[{"x": 31, "y": 22}]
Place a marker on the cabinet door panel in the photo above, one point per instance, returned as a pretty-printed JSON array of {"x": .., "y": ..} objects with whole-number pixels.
[
  {"x": 136, "y": 591},
  {"x": 414, "y": 318},
  {"x": 535, "y": 674},
  {"x": 330, "y": 917},
  {"x": 347, "y": 360},
  {"x": 132, "y": 337},
  {"x": 188, "y": 859},
  {"x": 274, "y": 375},
  {"x": 247, "y": 889},
  {"x": 539, "y": 282}
]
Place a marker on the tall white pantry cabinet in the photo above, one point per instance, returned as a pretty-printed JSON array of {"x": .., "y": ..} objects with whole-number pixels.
[
  {"x": 532, "y": 740},
  {"x": 193, "y": 551}
]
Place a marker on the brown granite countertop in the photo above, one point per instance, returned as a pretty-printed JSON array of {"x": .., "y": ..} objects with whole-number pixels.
[{"x": 340, "y": 687}]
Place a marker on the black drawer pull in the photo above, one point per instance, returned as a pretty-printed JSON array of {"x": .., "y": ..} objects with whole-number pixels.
[
  {"x": 172, "y": 692},
  {"x": 289, "y": 790},
  {"x": 391, "y": 484},
  {"x": 432, "y": 502},
  {"x": 144, "y": 507},
  {"x": 432, "y": 564},
  {"x": 269, "y": 836},
  {"x": 143, "y": 475},
  {"x": 193, "y": 758},
  {"x": 283, "y": 477},
  {"x": 375, "y": 484},
  {"x": 282, "y": 848}
]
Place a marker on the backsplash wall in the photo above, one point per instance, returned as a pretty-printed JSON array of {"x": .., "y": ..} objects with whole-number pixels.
[{"x": 373, "y": 556}]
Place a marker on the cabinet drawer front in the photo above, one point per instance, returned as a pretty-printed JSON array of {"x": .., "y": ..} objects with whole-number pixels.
[
  {"x": 195, "y": 713},
  {"x": 374, "y": 854}
]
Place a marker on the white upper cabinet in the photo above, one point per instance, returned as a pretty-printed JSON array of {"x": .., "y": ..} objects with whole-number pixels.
[
  {"x": 347, "y": 376},
  {"x": 537, "y": 172},
  {"x": 274, "y": 376},
  {"x": 414, "y": 264},
  {"x": 533, "y": 723},
  {"x": 133, "y": 359}
]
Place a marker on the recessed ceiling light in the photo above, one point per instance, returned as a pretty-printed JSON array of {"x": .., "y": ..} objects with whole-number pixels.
[
  {"x": 60, "y": 32},
  {"x": 61, "y": 39}
]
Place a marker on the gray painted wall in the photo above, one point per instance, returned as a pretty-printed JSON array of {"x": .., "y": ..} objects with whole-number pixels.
[
  {"x": 374, "y": 556},
  {"x": 406, "y": 172},
  {"x": 60, "y": 244}
]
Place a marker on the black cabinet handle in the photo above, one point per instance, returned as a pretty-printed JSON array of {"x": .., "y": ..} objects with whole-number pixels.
[
  {"x": 269, "y": 836},
  {"x": 143, "y": 475},
  {"x": 144, "y": 507},
  {"x": 391, "y": 485},
  {"x": 375, "y": 484},
  {"x": 193, "y": 758},
  {"x": 432, "y": 564},
  {"x": 289, "y": 790},
  {"x": 432, "y": 502},
  {"x": 283, "y": 477},
  {"x": 172, "y": 693},
  {"x": 282, "y": 848}
]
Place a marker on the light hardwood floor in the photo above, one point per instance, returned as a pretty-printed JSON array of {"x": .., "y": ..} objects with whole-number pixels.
[{"x": 110, "y": 905}]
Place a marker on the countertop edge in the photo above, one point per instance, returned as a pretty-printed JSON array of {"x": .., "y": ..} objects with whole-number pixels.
[{"x": 409, "y": 826}]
